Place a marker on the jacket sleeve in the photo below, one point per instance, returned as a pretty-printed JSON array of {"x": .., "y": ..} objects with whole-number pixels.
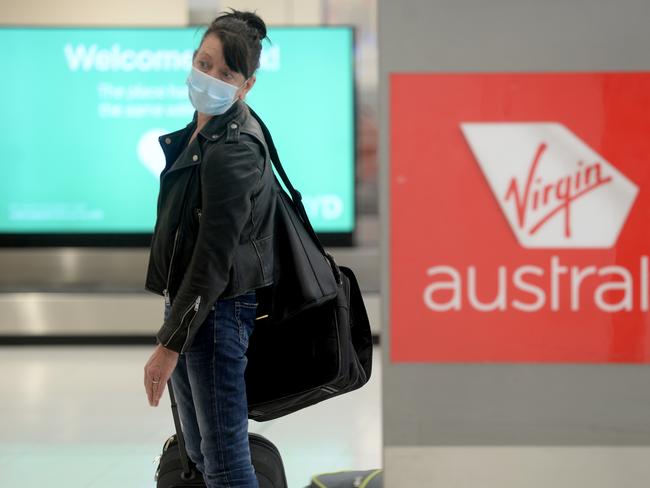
[{"x": 228, "y": 179}]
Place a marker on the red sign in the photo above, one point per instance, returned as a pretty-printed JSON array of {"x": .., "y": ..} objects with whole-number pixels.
[{"x": 520, "y": 217}]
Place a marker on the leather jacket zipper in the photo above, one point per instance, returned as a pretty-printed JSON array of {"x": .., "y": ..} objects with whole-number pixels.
[
  {"x": 197, "y": 302},
  {"x": 169, "y": 269},
  {"x": 195, "y": 306}
]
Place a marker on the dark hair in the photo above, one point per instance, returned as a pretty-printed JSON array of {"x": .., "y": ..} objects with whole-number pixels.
[{"x": 241, "y": 35}]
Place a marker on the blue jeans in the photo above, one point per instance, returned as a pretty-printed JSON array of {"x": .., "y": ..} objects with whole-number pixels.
[{"x": 210, "y": 393}]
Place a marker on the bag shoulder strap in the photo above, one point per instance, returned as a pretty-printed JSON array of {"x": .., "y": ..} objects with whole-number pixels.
[{"x": 296, "y": 197}]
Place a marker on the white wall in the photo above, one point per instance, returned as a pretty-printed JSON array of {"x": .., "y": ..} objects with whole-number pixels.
[
  {"x": 274, "y": 12},
  {"x": 94, "y": 12}
]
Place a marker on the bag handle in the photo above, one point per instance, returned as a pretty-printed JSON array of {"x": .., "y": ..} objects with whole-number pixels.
[{"x": 296, "y": 197}]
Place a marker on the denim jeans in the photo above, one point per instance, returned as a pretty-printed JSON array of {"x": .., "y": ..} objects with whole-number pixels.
[{"x": 210, "y": 393}]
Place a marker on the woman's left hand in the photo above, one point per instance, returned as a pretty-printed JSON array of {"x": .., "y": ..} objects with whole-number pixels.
[{"x": 157, "y": 371}]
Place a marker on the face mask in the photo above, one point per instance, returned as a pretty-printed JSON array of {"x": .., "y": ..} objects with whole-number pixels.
[{"x": 210, "y": 95}]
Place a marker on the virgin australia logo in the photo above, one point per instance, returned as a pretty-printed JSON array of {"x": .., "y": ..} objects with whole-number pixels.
[{"x": 555, "y": 191}]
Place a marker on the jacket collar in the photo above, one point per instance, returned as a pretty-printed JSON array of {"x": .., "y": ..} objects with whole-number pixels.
[
  {"x": 174, "y": 142},
  {"x": 212, "y": 129},
  {"x": 218, "y": 124}
]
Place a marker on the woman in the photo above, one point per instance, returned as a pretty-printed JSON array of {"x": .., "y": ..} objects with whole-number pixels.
[{"x": 211, "y": 250}]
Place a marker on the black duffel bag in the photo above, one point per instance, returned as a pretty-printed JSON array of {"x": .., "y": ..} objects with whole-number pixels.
[
  {"x": 266, "y": 459},
  {"x": 176, "y": 470},
  {"x": 314, "y": 341}
]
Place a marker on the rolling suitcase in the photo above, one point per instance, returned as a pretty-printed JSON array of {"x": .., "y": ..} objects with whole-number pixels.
[{"x": 176, "y": 469}]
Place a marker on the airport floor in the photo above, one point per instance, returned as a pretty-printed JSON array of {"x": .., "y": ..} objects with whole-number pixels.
[{"x": 78, "y": 416}]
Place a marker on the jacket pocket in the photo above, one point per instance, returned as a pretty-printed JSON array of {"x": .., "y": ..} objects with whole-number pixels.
[
  {"x": 264, "y": 249},
  {"x": 170, "y": 265}
]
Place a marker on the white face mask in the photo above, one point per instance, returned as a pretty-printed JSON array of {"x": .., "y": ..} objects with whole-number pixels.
[{"x": 210, "y": 95}]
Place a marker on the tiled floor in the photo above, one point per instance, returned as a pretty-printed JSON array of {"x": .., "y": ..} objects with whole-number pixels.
[{"x": 79, "y": 417}]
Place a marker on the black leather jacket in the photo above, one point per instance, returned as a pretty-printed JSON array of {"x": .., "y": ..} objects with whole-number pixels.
[{"x": 214, "y": 227}]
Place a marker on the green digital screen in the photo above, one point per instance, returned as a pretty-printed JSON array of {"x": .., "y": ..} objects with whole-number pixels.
[{"x": 82, "y": 109}]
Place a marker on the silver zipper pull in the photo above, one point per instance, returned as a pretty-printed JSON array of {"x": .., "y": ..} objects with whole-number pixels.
[
  {"x": 167, "y": 300},
  {"x": 196, "y": 304}
]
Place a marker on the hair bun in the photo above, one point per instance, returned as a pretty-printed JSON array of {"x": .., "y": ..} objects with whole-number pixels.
[
  {"x": 241, "y": 35},
  {"x": 253, "y": 20}
]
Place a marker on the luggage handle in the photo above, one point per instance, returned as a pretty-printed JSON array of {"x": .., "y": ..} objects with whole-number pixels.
[{"x": 179, "y": 432}]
